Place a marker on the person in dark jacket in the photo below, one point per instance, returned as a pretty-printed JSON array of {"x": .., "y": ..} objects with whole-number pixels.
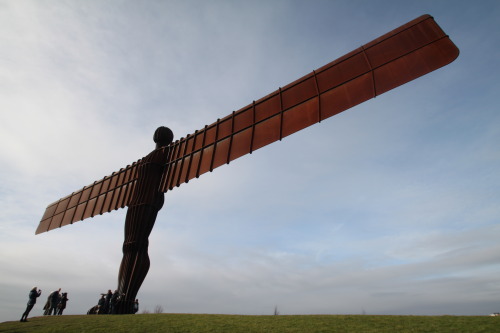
[
  {"x": 53, "y": 301},
  {"x": 107, "y": 307},
  {"x": 101, "y": 305},
  {"x": 114, "y": 301},
  {"x": 136, "y": 306},
  {"x": 62, "y": 303},
  {"x": 33, "y": 295}
]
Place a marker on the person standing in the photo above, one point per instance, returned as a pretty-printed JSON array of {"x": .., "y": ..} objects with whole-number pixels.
[
  {"x": 114, "y": 301},
  {"x": 107, "y": 305},
  {"x": 100, "y": 305},
  {"x": 33, "y": 295},
  {"x": 53, "y": 301},
  {"x": 62, "y": 303},
  {"x": 136, "y": 306}
]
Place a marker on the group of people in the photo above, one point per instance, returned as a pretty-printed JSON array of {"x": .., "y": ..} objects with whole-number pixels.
[
  {"x": 56, "y": 302},
  {"x": 108, "y": 303}
]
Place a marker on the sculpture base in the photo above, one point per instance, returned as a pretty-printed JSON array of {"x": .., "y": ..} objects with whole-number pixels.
[{"x": 125, "y": 307}]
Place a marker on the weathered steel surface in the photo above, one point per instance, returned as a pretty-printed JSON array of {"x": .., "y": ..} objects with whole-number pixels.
[
  {"x": 110, "y": 193},
  {"x": 143, "y": 208},
  {"x": 404, "y": 54}
]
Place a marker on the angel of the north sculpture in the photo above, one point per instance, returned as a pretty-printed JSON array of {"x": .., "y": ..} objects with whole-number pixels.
[{"x": 406, "y": 53}]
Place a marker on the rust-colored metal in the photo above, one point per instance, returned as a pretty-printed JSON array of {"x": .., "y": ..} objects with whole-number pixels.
[
  {"x": 402, "y": 55},
  {"x": 145, "y": 203},
  {"x": 393, "y": 59}
]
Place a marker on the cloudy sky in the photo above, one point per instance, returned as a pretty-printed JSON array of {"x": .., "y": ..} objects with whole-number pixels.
[{"x": 391, "y": 207}]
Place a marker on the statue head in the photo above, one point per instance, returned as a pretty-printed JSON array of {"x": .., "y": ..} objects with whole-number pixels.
[{"x": 163, "y": 137}]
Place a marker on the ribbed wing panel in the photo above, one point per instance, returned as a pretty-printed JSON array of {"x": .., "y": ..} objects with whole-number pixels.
[
  {"x": 110, "y": 193},
  {"x": 391, "y": 60}
]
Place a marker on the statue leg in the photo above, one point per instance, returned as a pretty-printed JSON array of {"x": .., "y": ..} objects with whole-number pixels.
[{"x": 135, "y": 262}]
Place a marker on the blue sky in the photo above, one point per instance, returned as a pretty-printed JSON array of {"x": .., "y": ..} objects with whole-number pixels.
[{"x": 388, "y": 208}]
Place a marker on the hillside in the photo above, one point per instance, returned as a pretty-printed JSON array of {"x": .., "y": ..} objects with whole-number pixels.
[{"x": 183, "y": 323}]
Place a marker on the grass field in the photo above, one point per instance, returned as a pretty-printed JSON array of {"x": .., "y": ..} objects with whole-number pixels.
[{"x": 269, "y": 324}]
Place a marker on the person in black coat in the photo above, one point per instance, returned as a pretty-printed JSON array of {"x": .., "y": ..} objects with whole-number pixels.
[
  {"x": 33, "y": 295},
  {"x": 53, "y": 300},
  {"x": 107, "y": 305},
  {"x": 62, "y": 303},
  {"x": 114, "y": 301},
  {"x": 101, "y": 305},
  {"x": 136, "y": 306}
]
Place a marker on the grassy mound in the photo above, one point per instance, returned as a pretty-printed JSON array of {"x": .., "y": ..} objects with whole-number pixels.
[{"x": 270, "y": 324}]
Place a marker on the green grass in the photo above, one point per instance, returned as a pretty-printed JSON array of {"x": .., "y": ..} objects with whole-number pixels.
[{"x": 269, "y": 324}]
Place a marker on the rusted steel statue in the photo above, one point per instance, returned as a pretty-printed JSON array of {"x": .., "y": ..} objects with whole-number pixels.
[
  {"x": 404, "y": 54},
  {"x": 146, "y": 201}
]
